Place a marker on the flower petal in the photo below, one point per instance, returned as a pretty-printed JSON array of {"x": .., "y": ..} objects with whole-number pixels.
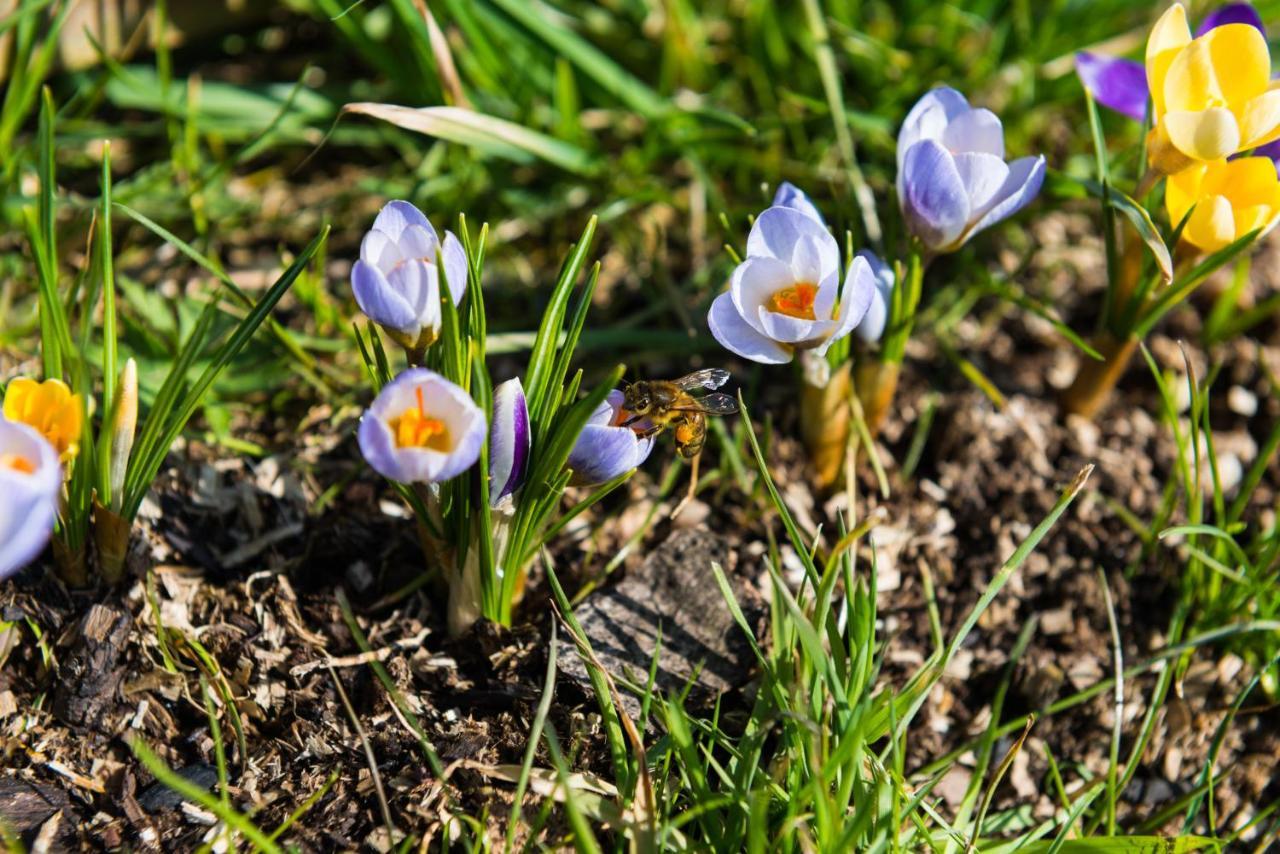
[
  {"x": 1168, "y": 37},
  {"x": 398, "y": 215},
  {"x": 807, "y": 261},
  {"x": 1231, "y": 13},
  {"x": 28, "y": 500},
  {"x": 1212, "y": 225},
  {"x": 873, "y": 322},
  {"x": 444, "y": 401},
  {"x": 975, "y": 130},
  {"x": 418, "y": 282},
  {"x": 855, "y": 301},
  {"x": 380, "y": 302},
  {"x": 509, "y": 440},
  {"x": 755, "y": 281},
  {"x": 455, "y": 266},
  {"x": 736, "y": 335},
  {"x": 1203, "y": 135},
  {"x": 929, "y": 118},
  {"x": 789, "y": 195},
  {"x": 1026, "y": 175},
  {"x": 777, "y": 230},
  {"x": 934, "y": 201},
  {"x": 1260, "y": 120},
  {"x": 798, "y": 331},
  {"x": 984, "y": 177},
  {"x": 1115, "y": 83},
  {"x": 602, "y": 453}
]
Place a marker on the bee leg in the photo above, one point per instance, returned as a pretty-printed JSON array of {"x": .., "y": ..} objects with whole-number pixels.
[{"x": 693, "y": 486}]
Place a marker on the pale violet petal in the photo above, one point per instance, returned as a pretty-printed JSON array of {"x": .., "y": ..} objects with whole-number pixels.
[
  {"x": 398, "y": 215},
  {"x": 1026, "y": 175},
  {"x": 777, "y": 230},
  {"x": 975, "y": 130},
  {"x": 934, "y": 201},
  {"x": 736, "y": 335},
  {"x": 983, "y": 176},
  {"x": 789, "y": 195},
  {"x": 755, "y": 281},
  {"x": 380, "y": 301},
  {"x": 455, "y": 266},
  {"x": 929, "y": 118}
]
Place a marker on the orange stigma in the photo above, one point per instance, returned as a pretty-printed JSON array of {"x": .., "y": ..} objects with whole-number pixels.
[
  {"x": 20, "y": 464},
  {"x": 795, "y": 301},
  {"x": 413, "y": 429}
]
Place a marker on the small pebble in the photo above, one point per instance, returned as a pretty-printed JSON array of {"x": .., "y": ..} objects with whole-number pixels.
[{"x": 1241, "y": 401}]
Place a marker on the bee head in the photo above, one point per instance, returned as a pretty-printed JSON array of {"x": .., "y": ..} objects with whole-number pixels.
[{"x": 636, "y": 398}]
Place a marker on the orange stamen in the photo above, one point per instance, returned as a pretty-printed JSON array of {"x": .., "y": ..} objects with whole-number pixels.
[
  {"x": 413, "y": 429},
  {"x": 795, "y": 301},
  {"x": 19, "y": 464}
]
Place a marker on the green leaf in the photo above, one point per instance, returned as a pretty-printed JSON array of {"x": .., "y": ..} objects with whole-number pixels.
[{"x": 1137, "y": 216}]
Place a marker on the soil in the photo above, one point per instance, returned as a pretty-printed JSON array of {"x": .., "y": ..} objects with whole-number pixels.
[{"x": 248, "y": 563}]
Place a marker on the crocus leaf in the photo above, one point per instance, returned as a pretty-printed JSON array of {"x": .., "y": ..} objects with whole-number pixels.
[
  {"x": 467, "y": 127},
  {"x": 1136, "y": 214}
]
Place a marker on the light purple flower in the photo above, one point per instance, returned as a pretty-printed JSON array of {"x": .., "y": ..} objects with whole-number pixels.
[
  {"x": 873, "y": 322},
  {"x": 786, "y": 296},
  {"x": 421, "y": 428},
  {"x": 396, "y": 281},
  {"x": 1121, "y": 84},
  {"x": 1116, "y": 83},
  {"x": 789, "y": 195},
  {"x": 952, "y": 177},
  {"x": 606, "y": 449},
  {"x": 508, "y": 440},
  {"x": 30, "y": 483}
]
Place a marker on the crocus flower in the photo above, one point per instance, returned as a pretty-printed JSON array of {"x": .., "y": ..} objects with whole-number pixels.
[
  {"x": 789, "y": 195},
  {"x": 952, "y": 177},
  {"x": 873, "y": 322},
  {"x": 421, "y": 428},
  {"x": 51, "y": 408},
  {"x": 605, "y": 448},
  {"x": 1121, "y": 84},
  {"x": 1211, "y": 96},
  {"x": 1231, "y": 198},
  {"x": 30, "y": 482},
  {"x": 508, "y": 440},
  {"x": 396, "y": 281},
  {"x": 786, "y": 296}
]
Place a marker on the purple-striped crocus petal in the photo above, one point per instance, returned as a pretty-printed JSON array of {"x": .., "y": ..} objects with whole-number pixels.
[
  {"x": 929, "y": 118},
  {"x": 30, "y": 483},
  {"x": 1115, "y": 83},
  {"x": 1026, "y": 175},
  {"x": 605, "y": 450},
  {"x": 381, "y": 302},
  {"x": 1231, "y": 13},
  {"x": 398, "y": 215},
  {"x": 455, "y": 266},
  {"x": 855, "y": 300},
  {"x": 777, "y": 230},
  {"x": 508, "y": 440},
  {"x": 934, "y": 202},
  {"x": 975, "y": 131},
  {"x": 873, "y": 322},
  {"x": 736, "y": 335},
  {"x": 439, "y": 399},
  {"x": 791, "y": 196}
]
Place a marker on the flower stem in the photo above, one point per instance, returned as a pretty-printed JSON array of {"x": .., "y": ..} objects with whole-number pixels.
[
  {"x": 824, "y": 424},
  {"x": 876, "y": 384},
  {"x": 1095, "y": 380},
  {"x": 111, "y": 534}
]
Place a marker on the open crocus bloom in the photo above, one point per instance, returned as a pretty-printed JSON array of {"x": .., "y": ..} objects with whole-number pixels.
[
  {"x": 1231, "y": 199},
  {"x": 421, "y": 428},
  {"x": 30, "y": 483},
  {"x": 786, "y": 295},
  {"x": 51, "y": 408},
  {"x": 952, "y": 177},
  {"x": 605, "y": 448},
  {"x": 1212, "y": 96},
  {"x": 396, "y": 281},
  {"x": 509, "y": 440}
]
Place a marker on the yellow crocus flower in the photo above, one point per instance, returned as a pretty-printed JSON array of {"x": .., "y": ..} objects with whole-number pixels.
[
  {"x": 1231, "y": 199},
  {"x": 1211, "y": 96},
  {"x": 51, "y": 408}
]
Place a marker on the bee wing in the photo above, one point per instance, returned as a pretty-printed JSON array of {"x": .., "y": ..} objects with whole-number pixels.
[
  {"x": 712, "y": 404},
  {"x": 710, "y": 378}
]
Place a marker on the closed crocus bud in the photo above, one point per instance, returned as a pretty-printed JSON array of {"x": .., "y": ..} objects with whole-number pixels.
[
  {"x": 791, "y": 196},
  {"x": 1231, "y": 198},
  {"x": 953, "y": 180},
  {"x": 123, "y": 431},
  {"x": 1211, "y": 96},
  {"x": 606, "y": 448},
  {"x": 421, "y": 428},
  {"x": 396, "y": 280},
  {"x": 1115, "y": 83},
  {"x": 873, "y": 322},
  {"x": 508, "y": 441},
  {"x": 786, "y": 296},
  {"x": 30, "y": 483},
  {"x": 51, "y": 408}
]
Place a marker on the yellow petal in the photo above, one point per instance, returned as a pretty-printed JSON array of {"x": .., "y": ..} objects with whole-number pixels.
[
  {"x": 1250, "y": 218},
  {"x": 1204, "y": 135},
  {"x": 1245, "y": 182},
  {"x": 1182, "y": 190},
  {"x": 1241, "y": 61},
  {"x": 16, "y": 396},
  {"x": 1260, "y": 120},
  {"x": 1190, "y": 82},
  {"x": 1211, "y": 226},
  {"x": 1168, "y": 37}
]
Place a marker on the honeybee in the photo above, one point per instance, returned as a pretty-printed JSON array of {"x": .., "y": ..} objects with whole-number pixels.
[{"x": 669, "y": 403}]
